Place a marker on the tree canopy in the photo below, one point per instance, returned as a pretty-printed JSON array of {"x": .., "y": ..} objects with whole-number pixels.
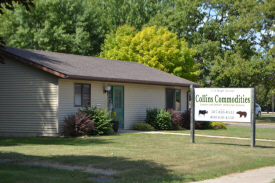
[
  {"x": 234, "y": 70},
  {"x": 264, "y": 97},
  {"x": 9, "y": 4},
  {"x": 232, "y": 42},
  {"x": 66, "y": 26},
  {"x": 215, "y": 27},
  {"x": 152, "y": 46},
  {"x": 132, "y": 12}
]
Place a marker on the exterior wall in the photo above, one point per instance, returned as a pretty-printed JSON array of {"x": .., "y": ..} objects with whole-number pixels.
[
  {"x": 137, "y": 98},
  {"x": 66, "y": 97},
  {"x": 28, "y": 100},
  {"x": 184, "y": 99}
]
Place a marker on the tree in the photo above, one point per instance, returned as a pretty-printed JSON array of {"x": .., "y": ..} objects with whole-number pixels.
[
  {"x": 9, "y": 4},
  {"x": 132, "y": 12},
  {"x": 264, "y": 97},
  {"x": 152, "y": 46},
  {"x": 217, "y": 26},
  {"x": 67, "y": 26},
  {"x": 234, "y": 70},
  {"x": 218, "y": 30}
]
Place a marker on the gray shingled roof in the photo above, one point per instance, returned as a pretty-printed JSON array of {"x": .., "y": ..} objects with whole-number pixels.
[{"x": 93, "y": 68}]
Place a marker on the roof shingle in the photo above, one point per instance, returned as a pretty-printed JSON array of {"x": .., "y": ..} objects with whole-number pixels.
[{"x": 93, "y": 68}]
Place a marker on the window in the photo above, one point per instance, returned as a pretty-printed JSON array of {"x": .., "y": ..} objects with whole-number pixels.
[
  {"x": 82, "y": 94},
  {"x": 173, "y": 99}
]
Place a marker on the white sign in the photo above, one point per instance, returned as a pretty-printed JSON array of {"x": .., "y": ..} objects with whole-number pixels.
[{"x": 223, "y": 104}]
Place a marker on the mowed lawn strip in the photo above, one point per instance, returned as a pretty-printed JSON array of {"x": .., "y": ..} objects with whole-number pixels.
[
  {"x": 265, "y": 120},
  {"x": 11, "y": 173},
  {"x": 236, "y": 131},
  {"x": 140, "y": 157}
]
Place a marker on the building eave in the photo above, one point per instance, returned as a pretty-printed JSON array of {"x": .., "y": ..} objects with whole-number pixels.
[
  {"x": 117, "y": 80},
  {"x": 46, "y": 69}
]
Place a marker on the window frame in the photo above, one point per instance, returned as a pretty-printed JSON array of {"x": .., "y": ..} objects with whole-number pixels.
[
  {"x": 82, "y": 86},
  {"x": 175, "y": 98}
]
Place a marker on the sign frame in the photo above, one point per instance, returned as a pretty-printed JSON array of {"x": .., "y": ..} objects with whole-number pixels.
[{"x": 221, "y": 112}]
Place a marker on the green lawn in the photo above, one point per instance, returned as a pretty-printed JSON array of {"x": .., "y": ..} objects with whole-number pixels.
[
  {"x": 268, "y": 114},
  {"x": 19, "y": 173},
  {"x": 136, "y": 157},
  {"x": 237, "y": 131},
  {"x": 265, "y": 120}
]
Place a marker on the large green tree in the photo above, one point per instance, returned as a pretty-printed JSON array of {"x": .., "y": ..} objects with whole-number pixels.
[
  {"x": 224, "y": 33},
  {"x": 234, "y": 70},
  {"x": 152, "y": 46},
  {"x": 132, "y": 12},
  {"x": 67, "y": 26},
  {"x": 215, "y": 27},
  {"x": 9, "y": 4},
  {"x": 264, "y": 97}
]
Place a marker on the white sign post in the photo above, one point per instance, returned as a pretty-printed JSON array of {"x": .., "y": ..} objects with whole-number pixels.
[{"x": 225, "y": 105}]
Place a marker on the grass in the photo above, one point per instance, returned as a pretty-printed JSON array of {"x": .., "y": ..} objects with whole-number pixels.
[
  {"x": 268, "y": 114},
  {"x": 265, "y": 120},
  {"x": 136, "y": 157},
  {"x": 237, "y": 131},
  {"x": 19, "y": 173}
]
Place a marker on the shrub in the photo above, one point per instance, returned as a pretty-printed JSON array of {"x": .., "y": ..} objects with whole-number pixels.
[
  {"x": 78, "y": 125},
  {"x": 101, "y": 120},
  {"x": 201, "y": 125},
  {"x": 143, "y": 127},
  {"x": 209, "y": 125},
  {"x": 216, "y": 125},
  {"x": 164, "y": 120},
  {"x": 176, "y": 118},
  {"x": 186, "y": 119},
  {"x": 161, "y": 119},
  {"x": 151, "y": 117},
  {"x": 185, "y": 123}
]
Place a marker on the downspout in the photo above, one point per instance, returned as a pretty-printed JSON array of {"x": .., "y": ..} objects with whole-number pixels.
[{"x": 187, "y": 96}]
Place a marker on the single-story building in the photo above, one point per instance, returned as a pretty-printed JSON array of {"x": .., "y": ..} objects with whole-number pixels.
[{"x": 39, "y": 88}]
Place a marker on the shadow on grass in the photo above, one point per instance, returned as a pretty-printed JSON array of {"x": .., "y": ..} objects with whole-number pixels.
[
  {"x": 265, "y": 120},
  {"x": 17, "y": 141},
  {"x": 244, "y": 145},
  {"x": 127, "y": 170}
]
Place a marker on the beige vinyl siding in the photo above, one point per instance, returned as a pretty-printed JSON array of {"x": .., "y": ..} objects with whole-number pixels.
[
  {"x": 140, "y": 97},
  {"x": 28, "y": 100},
  {"x": 137, "y": 98},
  {"x": 66, "y": 97}
]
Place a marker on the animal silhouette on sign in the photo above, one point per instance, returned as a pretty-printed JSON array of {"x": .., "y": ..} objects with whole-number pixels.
[
  {"x": 203, "y": 112},
  {"x": 242, "y": 113}
]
